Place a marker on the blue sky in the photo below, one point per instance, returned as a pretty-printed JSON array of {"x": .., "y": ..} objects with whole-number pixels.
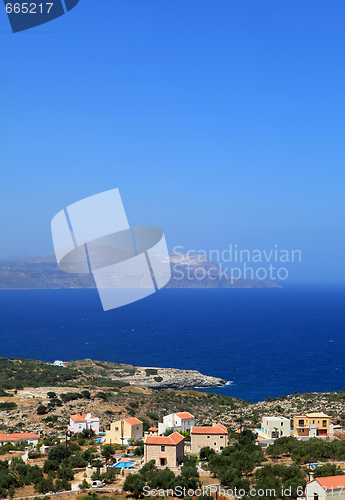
[{"x": 220, "y": 122}]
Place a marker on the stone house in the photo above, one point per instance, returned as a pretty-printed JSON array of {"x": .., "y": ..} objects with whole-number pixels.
[
  {"x": 166, "y": 451},
  {"x": 216, "y": 437}
]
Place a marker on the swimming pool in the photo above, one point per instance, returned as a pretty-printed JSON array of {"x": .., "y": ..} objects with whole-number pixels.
[{"x": 124, "y": 464}]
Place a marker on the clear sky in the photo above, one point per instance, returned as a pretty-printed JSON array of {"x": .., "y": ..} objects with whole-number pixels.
[{"x": 221, "y": 122}]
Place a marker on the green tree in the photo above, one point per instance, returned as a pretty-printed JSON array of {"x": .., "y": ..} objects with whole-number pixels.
[
  {"x": 134, "y": 484},
  {"x": 108, "y": 450}
]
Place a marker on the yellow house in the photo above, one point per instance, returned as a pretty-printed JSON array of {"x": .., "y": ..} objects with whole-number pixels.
[
  {"x": 312, "y": 425},
  {"x": 124, "y": 431}
]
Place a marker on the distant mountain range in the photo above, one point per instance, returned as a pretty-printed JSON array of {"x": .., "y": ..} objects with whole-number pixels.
[{"x": 188, "y": 271}]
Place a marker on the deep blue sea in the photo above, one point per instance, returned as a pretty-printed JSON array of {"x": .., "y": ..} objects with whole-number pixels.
[{"x": 264, "y": 342}]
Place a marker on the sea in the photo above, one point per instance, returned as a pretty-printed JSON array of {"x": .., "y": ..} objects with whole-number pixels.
[{"x": 263, "y": 342}]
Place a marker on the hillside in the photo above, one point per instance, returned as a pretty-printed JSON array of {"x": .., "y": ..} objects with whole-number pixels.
[{"x": 45, "y": 401}]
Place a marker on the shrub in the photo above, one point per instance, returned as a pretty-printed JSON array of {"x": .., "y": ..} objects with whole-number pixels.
[
  {"x": 41, "y": 410},
  {"x": 152, "y": 416},
  {"x": 150, "y": 371},
  {"x": 84, "y": 485},
  {"x": 7, "y": 406}
]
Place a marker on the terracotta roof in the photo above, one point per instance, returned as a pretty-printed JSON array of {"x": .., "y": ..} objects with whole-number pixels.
[
  {"x": 330, "y": 482},
  {"x": 215, "y": 429},
  {"x": 155, "y": 429},
  {"x": 17, "y": 436},
  {"x": 185, "y": 415},
  {"x": 171, "y": 440},
  {"x": 133, "y": 421},
  {"x": 80, "y": 418}
]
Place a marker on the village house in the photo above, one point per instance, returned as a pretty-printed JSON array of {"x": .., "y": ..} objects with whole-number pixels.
[
  {"x": 177, "y": 422},
  {"x": 18, "y": 437},
  {"x": 216, "y": 437},
  {"x": 81, "y": 421},
  {"x": 326, "y": 488},
  {"x": 275, "y": 427},
  {"x": 152, "y": 431},
  {"x": 166, "y": 451},
  {"x": 312, "y": 425},
  {"x": 124, "y": 431}
]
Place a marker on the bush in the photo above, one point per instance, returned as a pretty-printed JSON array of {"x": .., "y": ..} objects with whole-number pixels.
[
  {"x": 41, "y": 410},
  {"x": 150, "y": 371},
  {"x": 108, "y": 450},
  {"x": 50, "y": 465},
  {"x": 65, "y": 473},
  {"x": 206, "y": 452},
  {"x": 77, "y": 461},
  {"x": 152, "y": 416},
  {"x": 7, "y": 406},
  {"x": 58, "y": 453},
  {"x": 84, "y": 485},
  {"x": 74, "y": 448},
  {"x": 70, "y": 396}
]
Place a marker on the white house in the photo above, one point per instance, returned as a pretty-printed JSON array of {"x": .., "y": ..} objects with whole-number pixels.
[
  {"x": 58, "y": 362},
  {"x": 275, "y": 427},
  {"x": 81, "y": 421},
  {"x": 19, "y": 436},
  {"x": 326, "y": 488},
  {"x": 177, "y": 422}
]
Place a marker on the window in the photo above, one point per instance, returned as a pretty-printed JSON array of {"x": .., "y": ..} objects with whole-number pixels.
[
  {"x": 215, "y": 444},
  {"x": 221, "y": 437},
  {"x": 324, "y": 423},
  {"x": 208, "y": 437},
  {"x": 281, "y": 424},
  {"x": 313, "y": 421},
  {"x": 221, "y": 447},
  {"x": 301, "y": 423},
  {"x": 116, "y": 428},
  {"x": 162, "y": 448}
]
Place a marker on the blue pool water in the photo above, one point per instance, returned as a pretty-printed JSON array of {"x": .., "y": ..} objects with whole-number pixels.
[{"x": 124, "y": 464}]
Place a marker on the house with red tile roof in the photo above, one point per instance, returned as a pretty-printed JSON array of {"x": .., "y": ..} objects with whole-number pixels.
[
  {"x": 124, "y": 431},
  {"x": 81, "y": 421},
  {"x": 177, "y": 422},
  {"x": 215, "y": 436},
  {"x": 166, "y": 451},
  {"x": 326, "y": 488},
  {"x": 152, "y": 431},
  {"x": 16, "y": 437}
]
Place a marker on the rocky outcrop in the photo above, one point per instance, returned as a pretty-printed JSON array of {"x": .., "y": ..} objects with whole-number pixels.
[
  {"x": 171, "y": 378},
  {"x": 151, "y": 377}
]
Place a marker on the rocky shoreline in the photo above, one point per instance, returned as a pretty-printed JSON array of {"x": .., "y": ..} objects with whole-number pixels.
[
  {"x": 150, "y": 377},
  {"x": 175, "y": 379}
]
